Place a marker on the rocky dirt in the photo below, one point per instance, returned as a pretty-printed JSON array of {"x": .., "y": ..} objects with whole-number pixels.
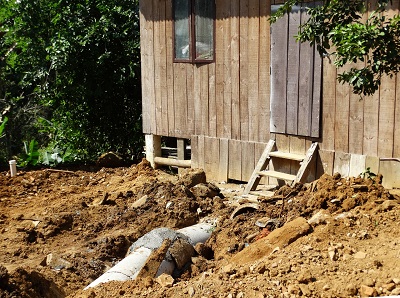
[{"x": 61, "y": 229}]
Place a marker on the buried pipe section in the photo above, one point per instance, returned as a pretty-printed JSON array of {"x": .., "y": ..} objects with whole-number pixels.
[{"x": 139, "y": 253}]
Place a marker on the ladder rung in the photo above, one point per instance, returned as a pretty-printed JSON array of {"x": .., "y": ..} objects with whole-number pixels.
[
  {"x": 285, "y": 155},
  {"x": 279, "y": 175}
]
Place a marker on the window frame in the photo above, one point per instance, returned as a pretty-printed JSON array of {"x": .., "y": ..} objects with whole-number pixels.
[{"x": 192, "y": 35}]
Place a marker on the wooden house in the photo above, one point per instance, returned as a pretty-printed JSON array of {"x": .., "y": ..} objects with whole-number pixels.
[{"x": 218, "y": 74}]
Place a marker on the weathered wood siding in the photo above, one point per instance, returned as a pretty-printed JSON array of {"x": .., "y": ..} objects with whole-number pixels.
[{"x": 224, "y": 107}]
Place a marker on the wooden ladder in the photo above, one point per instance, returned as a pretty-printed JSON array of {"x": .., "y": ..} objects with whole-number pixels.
[{"x": 260, "y": 169}]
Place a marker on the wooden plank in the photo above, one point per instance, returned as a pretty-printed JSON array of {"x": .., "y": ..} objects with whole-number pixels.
[
  {"x": 192, "y": 99},
  {"x": 235, "y": 156},
  {"x": 170, "y": 67},
  {"x": 316, "y": 96},
  {"x": 342, "y": 164},
  {"x": 356, "y": 124},
  {"x": 211, "y": 159},
  {"x": 325, "y": 162},
  {"x": 390, "y": 169},
  {"x": 258, "y": 151},
  {"x": 357, "y": 164},
  {"x": 278, "y": 74},
  {"x": 198, "y": 126},
  {"x": 282, "y": 144},
  {"x": 294, "y": 61},
  {"x": 260, "y": 166},
  {"x": 296, "y": 145},
  {"x": 244, "y": 70},
  {"x": 253, "y": 52},
  {"x": 194, "y": 144},
  {"x": 219, "y": 70},
  {"x": 248, "y": 162},
  {"x": 212, "y": 108},
  {"x": 264, "y": 72},
  {"x": 286, "y": 155},
  {"x": 181, "y": 151},
  {"x": 157, "y": 46},
  {"x": 372, "y": 162},
  {"x": 387, "y": 103},
  {"x": 201, "y": 152},
  {"x": 278, "y": 175},
  {"x": 180, "y": 96},
  {"x": 371, "y": 126},
  {"x": 396, "y": 141},
  {"x": 306, "y": 81},
  {"x": 153, "y": 148},
  {"x": 306, "y": 165},
  {"x": 223, "y": 168},
  {"x": 227, "y": 99},
  {"x": 204, "y": 99},
  {"x": 235, "y": 69},
  {"x": 147, "y": 63},
  {"x": 328, "y": 105},
  {"x": 164, "y": 161},
  {"x": 386, "y": 117},
  {"x": 342, "y": 116}
]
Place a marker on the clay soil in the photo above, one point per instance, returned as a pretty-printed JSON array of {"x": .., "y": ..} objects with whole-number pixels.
[{"x": 86, "y": 220}]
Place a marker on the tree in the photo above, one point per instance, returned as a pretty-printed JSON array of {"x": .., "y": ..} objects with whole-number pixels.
[
  {"x": 75, "y": 67},
  {"x": 338, "y": 29}
]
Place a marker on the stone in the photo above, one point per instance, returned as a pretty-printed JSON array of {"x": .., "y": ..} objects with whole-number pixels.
[
  {"x": 389, "y": 287},
  {"x": 305, "y": 277},
  {"x": 305, "y": 291},
  {"x": 396, "y": 281},
  {"x": 388, "y": 205},
  {"x": 56, "y": 262},
  {"x": 369, "y": 282},
  {"x": 366, "y": 291},
  {"x": 326, "y": 287},
  {"x": 321, "y": 217},
  {"x": 229, "y": 269},
  {"x": 332, "y": 253},
  {"x": 110, "y": 160},
  {"x": 360, "y": 255},
  {"x": 165, "y": 280},
  {"x": 280, "y": 237},
  {"x": 182, "y": 252},
  {"x": 294, "y": 289},
  {"x": 205, "y": 190},
  {"x": 351, "y": 289},
  {"x": 191, "y": 292},
  {"x": 192, "y": 177},
  {"x": 395, "y": 292},
  {"x": 139, "y": 203}
]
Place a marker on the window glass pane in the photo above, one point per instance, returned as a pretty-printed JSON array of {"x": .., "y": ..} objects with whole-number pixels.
[
  {"x": 182, "y": 29},
  {"x": 204, "y": 29}
]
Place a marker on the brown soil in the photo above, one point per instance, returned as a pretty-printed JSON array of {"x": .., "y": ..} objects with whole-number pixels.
[{"x": 87, "y": 220}]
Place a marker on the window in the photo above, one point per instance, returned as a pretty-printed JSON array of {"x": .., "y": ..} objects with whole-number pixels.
[{"x": 194, "y": 30}]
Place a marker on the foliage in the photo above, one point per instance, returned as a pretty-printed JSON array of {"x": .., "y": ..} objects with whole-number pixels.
[
  {"x": 31, "y": 155},
  {"x": 3, "y": 126},
  {"x": 368, "y": 174},
  {"x": 338, "y": 28},
  {"x": 75, "y": 63}
]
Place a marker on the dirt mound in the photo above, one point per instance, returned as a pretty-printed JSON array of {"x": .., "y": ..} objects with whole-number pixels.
[{"x": 62, "y": 229}]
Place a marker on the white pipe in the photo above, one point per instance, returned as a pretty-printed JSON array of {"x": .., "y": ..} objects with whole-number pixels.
[
  {"x": 127, "y": 269},
  {"x": 138, "y": 254},
  {"x": 13, "y": 167}
]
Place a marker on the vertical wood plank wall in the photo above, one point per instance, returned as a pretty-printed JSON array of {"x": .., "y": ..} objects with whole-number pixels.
[{"x": 224, "y": 107}]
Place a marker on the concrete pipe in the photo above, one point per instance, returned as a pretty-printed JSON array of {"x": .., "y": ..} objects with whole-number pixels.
[{"x": 139, "y": 253}]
